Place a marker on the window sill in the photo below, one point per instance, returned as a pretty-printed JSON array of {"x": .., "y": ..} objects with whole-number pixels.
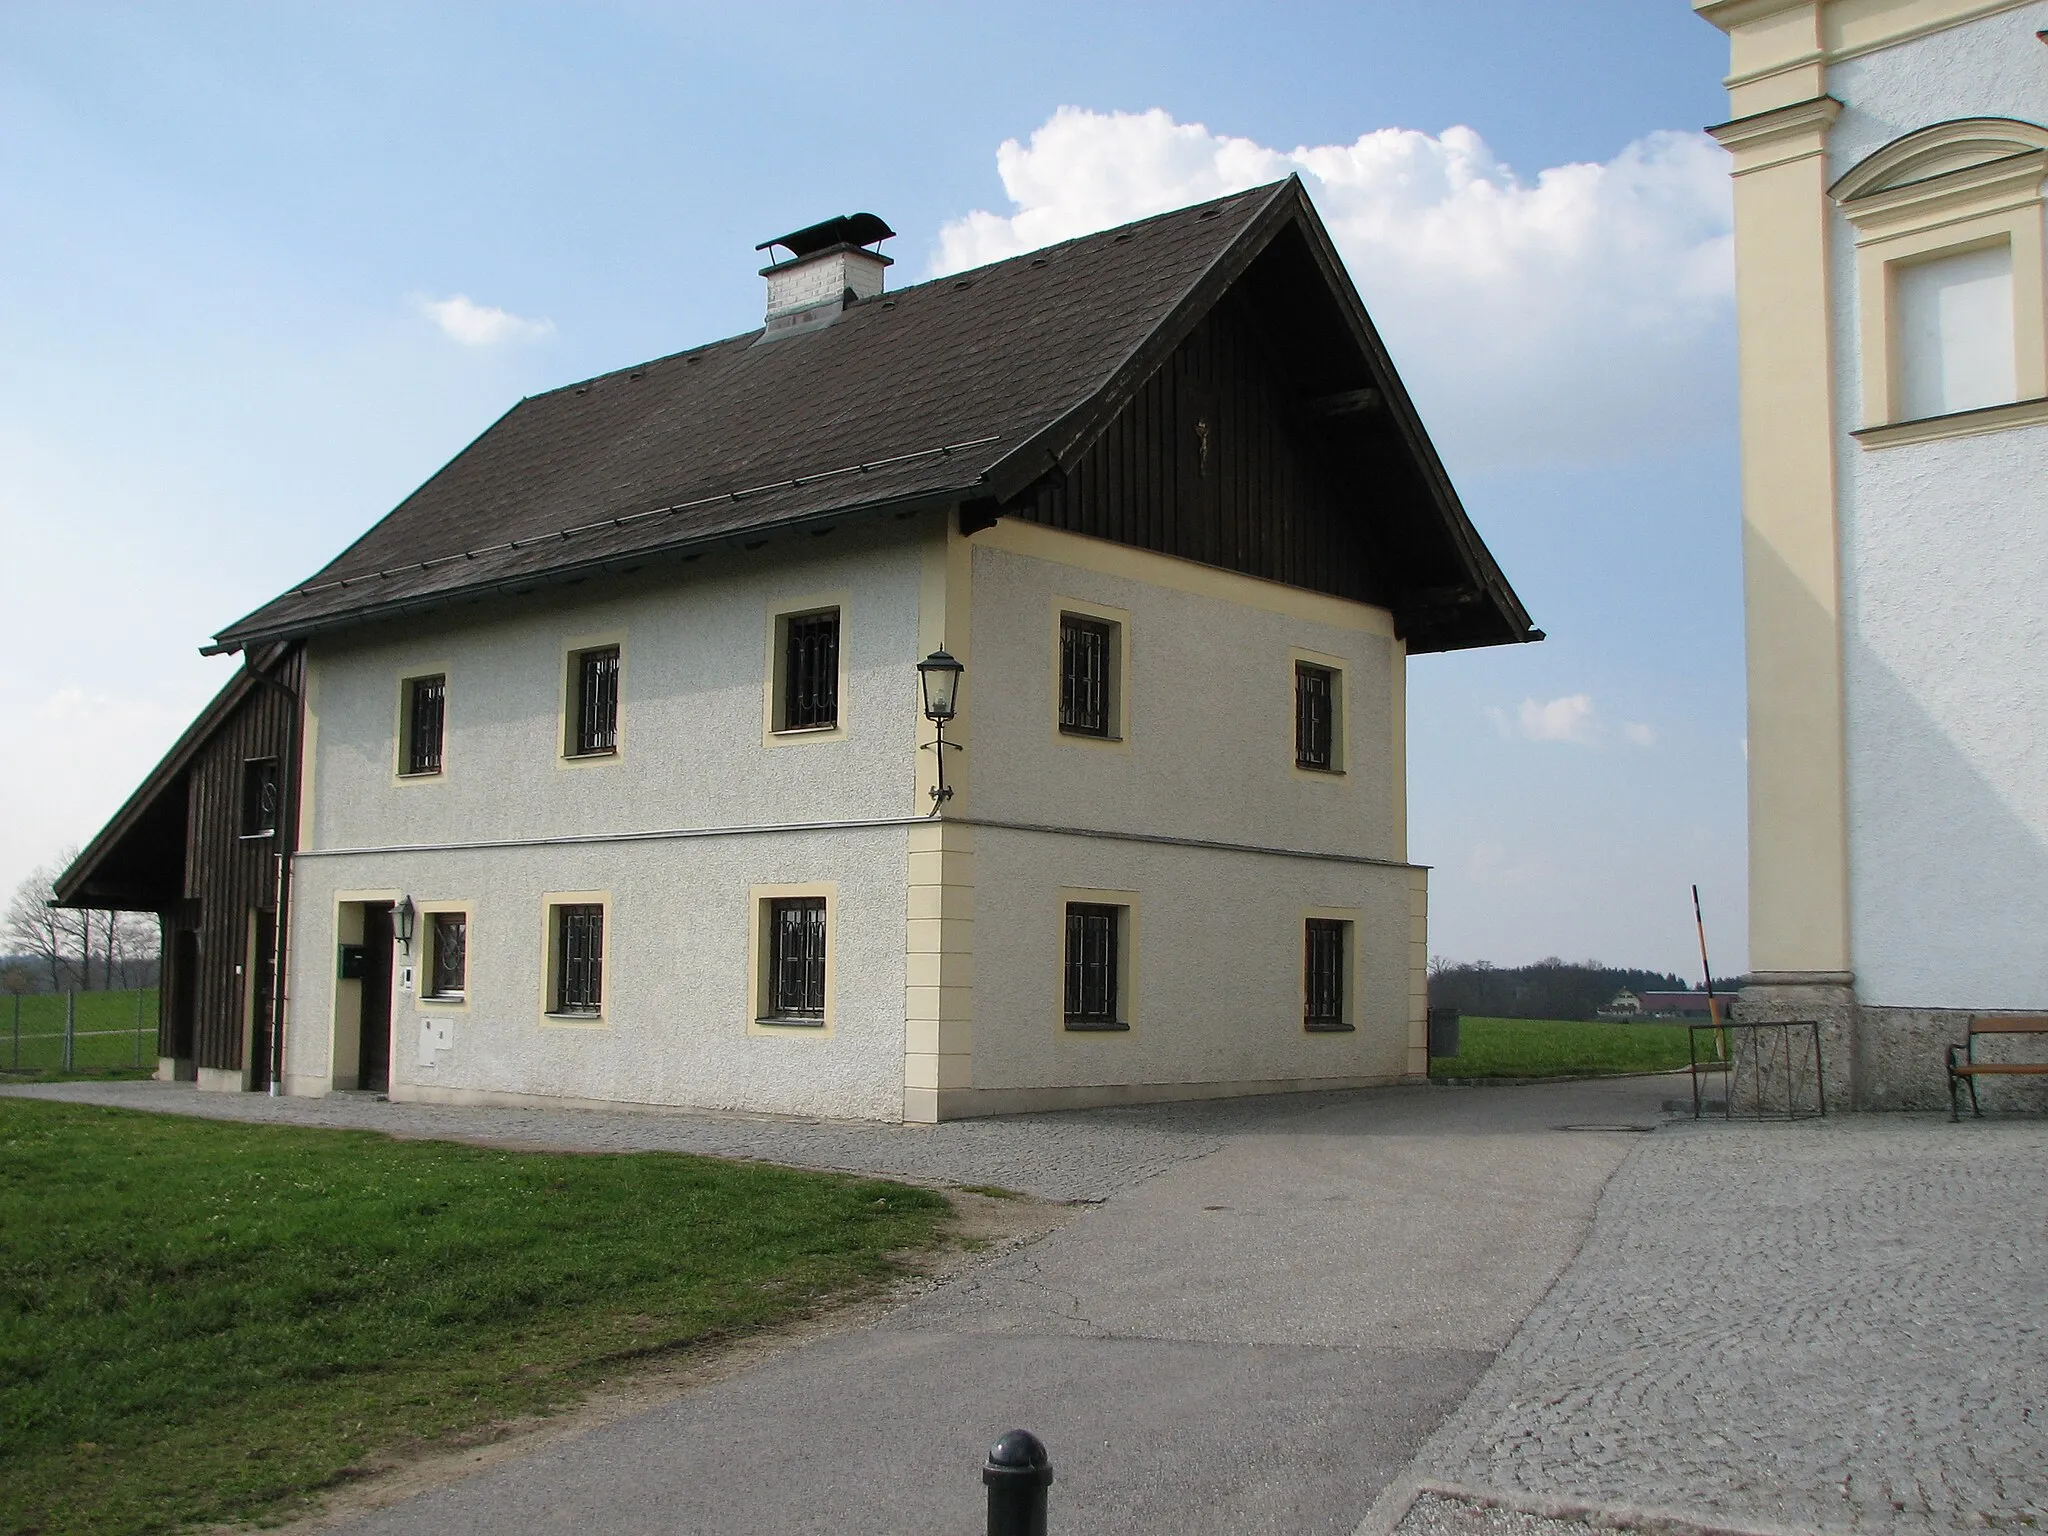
[
  {"x": 1102, "y": 738},
  {"x": 1330, "y": 1029},
  {"x": 590, "y": 757},
  {"x": 255, "y": 837},
  {"x": 1927, "y": 429},
  {"x": 446, "y": 999},
  {"x": 561, "y": 1017},
  {"x": 412, "y": 774},
  {"x": 1096, "y": 1027},
  {"x": 1314, "y": 772},
  {"x": 787, "y": 1021}
]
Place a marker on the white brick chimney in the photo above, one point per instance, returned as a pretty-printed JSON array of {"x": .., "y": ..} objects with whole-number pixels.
[{"x": 829, "y": 268}]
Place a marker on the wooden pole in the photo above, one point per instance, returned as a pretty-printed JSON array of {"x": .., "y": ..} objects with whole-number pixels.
[
  {"x": 70, "y": 1028},
  {"x": 1713, "y": 1010}
]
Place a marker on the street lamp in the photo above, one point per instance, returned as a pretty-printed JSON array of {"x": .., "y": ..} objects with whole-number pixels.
[
  {"x": 401, "y": 920},
  {"x": 939, "y": 674}
]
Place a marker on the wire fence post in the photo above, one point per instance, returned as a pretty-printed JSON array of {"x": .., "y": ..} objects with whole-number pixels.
[
  {"x": 70, "y": 1029},
  {"x": 138, "y": 1026},
  {"x": 17, "y": 1032}
]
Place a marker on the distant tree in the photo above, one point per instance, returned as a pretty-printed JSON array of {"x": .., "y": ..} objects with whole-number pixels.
[
  {"x": 16, "y": 979},
  {"x": 47, "y": 935},
  {"x": 1550, "y": 989}
]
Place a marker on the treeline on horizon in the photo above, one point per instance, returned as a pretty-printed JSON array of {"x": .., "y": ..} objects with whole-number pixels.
[{"x": 1549, "y": 989}]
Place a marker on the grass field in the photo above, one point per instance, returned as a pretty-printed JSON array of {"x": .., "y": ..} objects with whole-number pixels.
[
  {"x": 204, "y": 1322},
  {"x": 1561, "y": 1048},
  {"x": 107, "y": 1044}
]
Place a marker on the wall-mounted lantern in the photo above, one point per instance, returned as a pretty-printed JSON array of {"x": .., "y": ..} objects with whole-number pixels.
[
  {"x": 939, "y": 673},
  {"x": 401, "y": 922}
]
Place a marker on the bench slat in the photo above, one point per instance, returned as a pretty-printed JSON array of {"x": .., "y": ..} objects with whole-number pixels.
[{"x": 2010, "y": 1024}]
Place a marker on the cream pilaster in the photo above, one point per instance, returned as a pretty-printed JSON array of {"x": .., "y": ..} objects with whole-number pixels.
[
  {"x": 938, "y": 1004},
  {"x": 1798, "y": 864},
  {"x": 1418, "y": 973}
]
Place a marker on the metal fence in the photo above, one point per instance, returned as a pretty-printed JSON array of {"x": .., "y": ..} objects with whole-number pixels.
[{"x": 79, "y": 1031}]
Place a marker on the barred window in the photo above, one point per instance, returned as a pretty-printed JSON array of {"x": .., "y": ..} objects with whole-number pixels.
[
  {"x": 1323, "y": 985},
  {"x": 425, "y": 705},
  {"x": 579, "y": 959},
  {"x": 1315, "y": 717},
  {"x": 594, "y": 681},
  {"x": 451, "y": 955},
  {"x": 1086, "y": 654},
  {"x": 1093, "y": 940},
  {"x": 810, "y": 671},
  {"x": 259, "y": 797},
  {"x": 796, "y": 959}
]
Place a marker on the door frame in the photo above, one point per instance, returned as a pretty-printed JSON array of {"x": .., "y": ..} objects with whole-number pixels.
[{"x": 345, "y": 1007}]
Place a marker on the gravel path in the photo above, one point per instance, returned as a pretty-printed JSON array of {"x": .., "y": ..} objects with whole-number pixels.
[
  {"x": 1837, "y": 1325},
  {"x": 1085, "y": 1155}
]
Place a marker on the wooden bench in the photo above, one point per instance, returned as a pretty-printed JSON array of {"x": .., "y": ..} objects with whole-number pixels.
[{"x": 1963, "y": 1066}]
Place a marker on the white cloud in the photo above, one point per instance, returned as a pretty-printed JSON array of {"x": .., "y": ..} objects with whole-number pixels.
[
  {"x": 1640, "y": 735},
  {"x": 1570, "y": 718},
  {"x": 482, "y": 325},
  {"x": 1577, "y": 314}
]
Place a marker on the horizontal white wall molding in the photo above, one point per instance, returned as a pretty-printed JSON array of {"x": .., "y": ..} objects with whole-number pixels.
[{"x": 770, "y": 829}]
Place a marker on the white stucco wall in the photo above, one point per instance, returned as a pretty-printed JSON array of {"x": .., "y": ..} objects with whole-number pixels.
[
  {"x": 1944, "y": 554},
  {"x": 692, "y": 758},
  {"x": 676, "y": 1022}
]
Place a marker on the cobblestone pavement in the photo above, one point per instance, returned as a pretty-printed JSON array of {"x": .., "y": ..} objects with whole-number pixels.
[
  {"x": 1086, "y": 1155},
  {"x": 1837, "y": 1325}
]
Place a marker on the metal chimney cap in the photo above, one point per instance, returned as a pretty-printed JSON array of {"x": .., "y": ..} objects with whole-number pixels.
[{"x": 855, "y": 229}]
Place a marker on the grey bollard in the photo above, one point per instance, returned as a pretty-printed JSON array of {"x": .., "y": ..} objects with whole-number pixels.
[{"x": 1017, "y": 1474}]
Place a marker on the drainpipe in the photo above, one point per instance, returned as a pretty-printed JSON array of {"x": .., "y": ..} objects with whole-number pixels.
[{"x": 287, "y": 835}]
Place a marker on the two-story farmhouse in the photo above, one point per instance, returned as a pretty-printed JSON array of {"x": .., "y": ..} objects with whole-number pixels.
[
  {"x": 1889, "y": 158},
  {"x": 603, "y": 770}
]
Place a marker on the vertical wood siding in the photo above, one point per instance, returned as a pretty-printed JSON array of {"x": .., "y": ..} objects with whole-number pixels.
[
  {"x": 226, "y": 875},
  {"x": 1262, "y": 499}
]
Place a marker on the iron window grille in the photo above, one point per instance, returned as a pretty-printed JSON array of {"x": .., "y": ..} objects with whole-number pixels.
[
  {"x": 259, "y": 797},
  {"x": 796, "y": 959},
  {"x": 596, "y": 678},
  {"x": 810, "y": 672},
  {"x": 1323, "y": 983},
  {"x": 1085, "y": 646},
  {"x": 579, "y": 959},
  {"x": 1092, "y": 959},
  {"x": 1315, "y": 717},
  {"x": 451, "y": 955},
  {"x": 425, "y": 709}
]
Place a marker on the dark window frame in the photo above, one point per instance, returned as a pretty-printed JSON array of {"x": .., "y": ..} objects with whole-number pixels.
[
  {"x": 262, "y": 796},
  {"x": 578, "y": 939},
  {"x": 1326, "y": 975},
  {"x": 807, "y": 684},
  {"x": 1089, "y": 664},
  {"x": 593, "y": 683},
  {"x": 426, "y": 725},
  {"x": 1317, "y": 701},
  {"x": 1092, "y": 965},
  {"x": 797, "y": 942},
  {"x": 440, "y": 988}
]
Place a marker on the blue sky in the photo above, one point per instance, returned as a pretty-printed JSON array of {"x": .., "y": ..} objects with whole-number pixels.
[{"x": 224, "y": 231}]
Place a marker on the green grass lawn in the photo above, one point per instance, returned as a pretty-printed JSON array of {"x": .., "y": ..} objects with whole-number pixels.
[
  {"x": 202, "y": 1321},
  {"x": 107, "y": 1043},
  {"x": 1561, "y": 1048}
]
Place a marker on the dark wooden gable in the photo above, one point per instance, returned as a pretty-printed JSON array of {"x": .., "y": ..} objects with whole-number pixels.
[{"x": 1213, "y": 460}]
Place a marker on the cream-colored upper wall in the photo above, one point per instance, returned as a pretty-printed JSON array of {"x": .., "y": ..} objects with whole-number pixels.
[
  {"x": 1779, "y": 50},
  {"x": 692, "y": 752},
  {"x": 1208, "y": 748}
]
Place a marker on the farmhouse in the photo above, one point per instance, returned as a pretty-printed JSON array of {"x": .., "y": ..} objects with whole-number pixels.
[
  {"x": 1889, "y": 240},
  {"x": 607, "y": 767}
]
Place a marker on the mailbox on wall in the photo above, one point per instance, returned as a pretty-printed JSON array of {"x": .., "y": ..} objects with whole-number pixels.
[{"x": 355, "y": 962}]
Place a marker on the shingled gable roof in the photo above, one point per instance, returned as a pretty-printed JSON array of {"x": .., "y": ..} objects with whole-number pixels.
[{"x": 966, "y": 388}]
